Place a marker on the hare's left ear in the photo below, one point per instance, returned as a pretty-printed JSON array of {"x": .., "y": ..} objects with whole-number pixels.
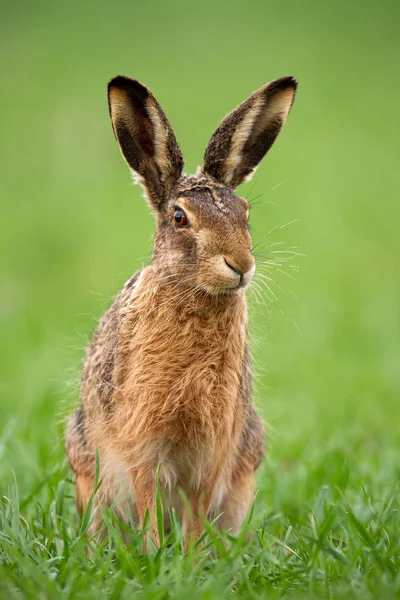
[
  {"x": 145, "y": 138},
  {"x": 246, "y": 134}
]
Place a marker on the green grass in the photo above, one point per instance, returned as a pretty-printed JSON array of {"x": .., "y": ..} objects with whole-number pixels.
[
  {"x": 343, "y": 542},
  {"x": 325, "y": 520}
]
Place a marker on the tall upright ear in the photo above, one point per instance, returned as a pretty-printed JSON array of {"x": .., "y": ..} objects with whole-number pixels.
[
  {"x": 246, "y": 134},
  {"x": 145, "y": 138}
]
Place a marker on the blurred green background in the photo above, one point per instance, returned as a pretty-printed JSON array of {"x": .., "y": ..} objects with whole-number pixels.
[{"x": 74, "y": 228}]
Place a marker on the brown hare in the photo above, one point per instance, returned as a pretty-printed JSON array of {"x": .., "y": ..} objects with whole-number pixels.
[{"x": 166, "y": 385}]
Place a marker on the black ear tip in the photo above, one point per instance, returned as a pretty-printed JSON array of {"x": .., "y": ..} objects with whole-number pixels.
[
  {"x": 283, "y": 83},
  {"x": 291, "y": 81},
  {"x": 120, "y": 82}
]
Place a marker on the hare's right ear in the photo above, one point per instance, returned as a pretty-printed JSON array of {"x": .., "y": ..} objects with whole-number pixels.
[
  {"x": 246, "y": 134},
  {"x": 145, "y": 138}
]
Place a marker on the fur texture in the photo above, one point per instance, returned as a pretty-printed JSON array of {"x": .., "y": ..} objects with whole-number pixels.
[{"x": 166, "y": 381}]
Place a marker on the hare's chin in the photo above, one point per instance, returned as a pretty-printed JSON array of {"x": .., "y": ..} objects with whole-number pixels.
[{"x": 220, "y": 290}]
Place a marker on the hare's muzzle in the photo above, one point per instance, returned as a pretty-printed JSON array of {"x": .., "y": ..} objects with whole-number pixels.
[
  {"x": 248, "y": 276},
  {"x": 244, "y": 272}
]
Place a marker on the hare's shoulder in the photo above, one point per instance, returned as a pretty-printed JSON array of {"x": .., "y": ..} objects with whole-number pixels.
[
  {"x": 102, "y": 351},
  {"x": 107, "y": 330}
]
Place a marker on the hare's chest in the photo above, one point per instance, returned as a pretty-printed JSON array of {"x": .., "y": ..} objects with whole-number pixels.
[
  {"x": 182, "y": 387},
  {"x": 184, "y": 355}
]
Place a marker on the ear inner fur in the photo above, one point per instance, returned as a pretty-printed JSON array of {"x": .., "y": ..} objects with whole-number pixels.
[
  {"x": 145, "y": 138},
  {"x": 239, "y": 139},
  {"x": 247, "y": 133}
]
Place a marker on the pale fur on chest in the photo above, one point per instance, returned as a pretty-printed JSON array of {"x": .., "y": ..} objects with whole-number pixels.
[{"x": 179, "y": 397}]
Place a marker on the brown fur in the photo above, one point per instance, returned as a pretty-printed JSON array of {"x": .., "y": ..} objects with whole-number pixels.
[{"x": 167, "y": 380}]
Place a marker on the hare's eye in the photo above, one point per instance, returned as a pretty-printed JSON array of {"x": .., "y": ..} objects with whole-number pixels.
[{"x": 180, "y": 218}]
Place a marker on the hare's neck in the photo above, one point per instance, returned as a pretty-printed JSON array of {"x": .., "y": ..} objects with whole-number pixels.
[
  {"x": 187, "y": 313},
  {"x": 177, "y": 298}
]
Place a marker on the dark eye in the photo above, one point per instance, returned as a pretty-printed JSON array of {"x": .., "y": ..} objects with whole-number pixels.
[{"x": 180, "y": 218}]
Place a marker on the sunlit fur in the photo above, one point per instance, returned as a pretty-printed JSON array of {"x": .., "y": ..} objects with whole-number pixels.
[{"x": 166, "y": 384}]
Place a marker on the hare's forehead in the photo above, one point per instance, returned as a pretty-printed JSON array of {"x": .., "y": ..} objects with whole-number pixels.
[{"x": 214, "y": 202}]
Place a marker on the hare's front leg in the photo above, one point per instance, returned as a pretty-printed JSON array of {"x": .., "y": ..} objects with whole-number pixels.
[
  {"x": 194, "y": 513},
  {"x": 145, "y": 491},
  {"x": 237, "y": 502},
  {"x": 85, "y": 488}
]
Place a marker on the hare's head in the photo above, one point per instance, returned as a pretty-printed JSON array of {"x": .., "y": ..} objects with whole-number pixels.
[{"x": 202, "y": 233}]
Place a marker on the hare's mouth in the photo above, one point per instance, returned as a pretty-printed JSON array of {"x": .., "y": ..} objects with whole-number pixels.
[
  {"x": 243, "y": 283},
  {"x": 216, "y": 288},
  {"x": 222, "y": 276},
  {"x": 244, "y": 279}
]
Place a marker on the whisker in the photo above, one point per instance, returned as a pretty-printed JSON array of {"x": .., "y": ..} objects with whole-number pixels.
[
  {"x": 170, "y": 300},
  {"x": 278, "y": 185},
  {"x": 277, "y": 267},
  {"x": 276, "y": 284},
  {"x": 254, "y": 183},
  {"x": 156, "y": 287},
  {"x": 276, "y": 228},
  {"x": 255, "y": 288},
  {"x": 251, "y": 202},
  {"x": 273, "y": 245}
]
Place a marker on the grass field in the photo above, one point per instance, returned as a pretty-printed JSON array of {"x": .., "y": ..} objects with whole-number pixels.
[{"x": 326, "y": 349}]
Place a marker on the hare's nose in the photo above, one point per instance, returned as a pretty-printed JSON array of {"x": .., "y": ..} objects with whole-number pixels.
[
  {"x": 245, "y": 271},
  {"x": 242, "y": 269},
  {"x": 234, "y": 268}
]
